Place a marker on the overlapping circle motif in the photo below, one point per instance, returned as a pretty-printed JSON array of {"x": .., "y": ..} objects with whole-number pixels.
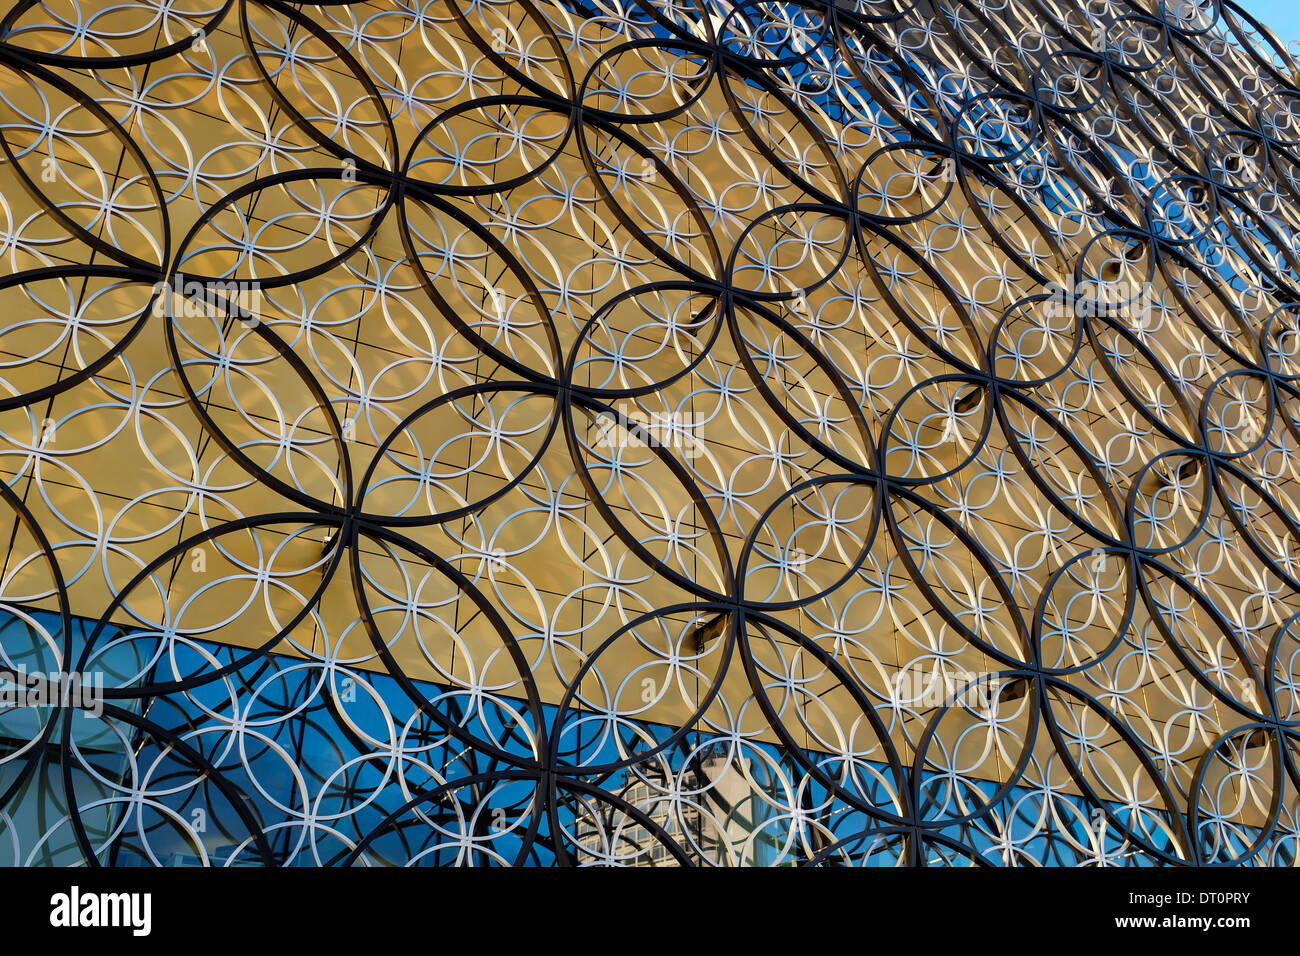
[{"x": 640, "y": 432}]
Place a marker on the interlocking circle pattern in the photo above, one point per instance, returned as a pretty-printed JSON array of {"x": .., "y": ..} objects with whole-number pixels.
[{"x": 649, "y": 432}]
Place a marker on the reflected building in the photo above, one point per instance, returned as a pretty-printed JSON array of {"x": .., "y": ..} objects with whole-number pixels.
[{"x": 714, "y": 813}]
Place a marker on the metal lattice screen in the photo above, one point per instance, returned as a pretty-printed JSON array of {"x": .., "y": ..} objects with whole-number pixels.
[{"x": 650, "y": 433}]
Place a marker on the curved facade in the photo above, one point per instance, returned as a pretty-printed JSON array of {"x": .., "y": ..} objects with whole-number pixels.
[{"x": 649, "y": 433}]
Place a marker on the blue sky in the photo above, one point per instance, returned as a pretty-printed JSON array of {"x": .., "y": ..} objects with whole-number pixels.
[{"x": 1280, "y": 16}]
